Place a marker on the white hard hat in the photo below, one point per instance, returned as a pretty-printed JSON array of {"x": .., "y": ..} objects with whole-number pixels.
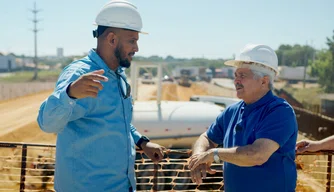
[
  {"x": 119, "y": 14},
  {"x": 260, "y": 56}
]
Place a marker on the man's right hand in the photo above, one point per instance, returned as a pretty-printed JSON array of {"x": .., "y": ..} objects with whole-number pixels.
[
  {"x": 199, "y": 173},
  {"x": 88, "y": 85}
]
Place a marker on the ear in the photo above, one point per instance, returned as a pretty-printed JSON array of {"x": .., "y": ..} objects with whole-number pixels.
[
  {"x": 265, "y": 81},
  {"x": 112, "y": 39}
]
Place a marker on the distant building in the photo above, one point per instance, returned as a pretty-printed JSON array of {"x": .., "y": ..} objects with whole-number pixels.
[
  {"x": 225, "y": 72},
  {"x": 60, "y": 52},
  {"x": 294, "y": 74},
  {"x": 7, "y": 63}
]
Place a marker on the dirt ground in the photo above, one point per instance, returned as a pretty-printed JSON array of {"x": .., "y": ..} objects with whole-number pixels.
[
  {"x": 18, "y": 120},
  {"x": 18, "y": 116}
]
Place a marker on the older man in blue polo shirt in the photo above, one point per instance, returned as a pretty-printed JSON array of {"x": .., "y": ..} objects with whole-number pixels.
[{"x": 258, "y": 134}]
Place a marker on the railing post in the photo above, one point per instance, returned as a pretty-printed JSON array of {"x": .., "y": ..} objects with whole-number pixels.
[
  {"x": 329, "y": 173},
  {"x": 155, "y": 177},
  {"x": 23, "y": 167}
]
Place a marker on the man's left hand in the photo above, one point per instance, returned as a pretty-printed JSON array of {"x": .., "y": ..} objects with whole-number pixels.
[{"x": 153, "y": 151}]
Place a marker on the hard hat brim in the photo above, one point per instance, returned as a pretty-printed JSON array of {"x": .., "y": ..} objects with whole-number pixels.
[
  {"x": 236, "y": 63},
  {"x": 142, "y": 32}
]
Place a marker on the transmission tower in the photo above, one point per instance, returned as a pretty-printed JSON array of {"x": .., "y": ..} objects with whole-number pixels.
[{"x": 35, "y": 30}]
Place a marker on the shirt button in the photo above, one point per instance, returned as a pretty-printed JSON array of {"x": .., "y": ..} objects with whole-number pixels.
[{"x": 71, "y": 102}]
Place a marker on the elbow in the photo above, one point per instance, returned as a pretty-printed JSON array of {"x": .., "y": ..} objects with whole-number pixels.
[
  {"x": 255, "y": 158},
  {"x": 48, "y": 130},
  {"x": 259, "y": 160},
  {"x": 46, "y": 127}
]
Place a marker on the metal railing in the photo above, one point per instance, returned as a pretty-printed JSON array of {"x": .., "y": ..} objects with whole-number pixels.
[
  {"x": 318, "y": 167},
  {"x": 30, "y": 167}
]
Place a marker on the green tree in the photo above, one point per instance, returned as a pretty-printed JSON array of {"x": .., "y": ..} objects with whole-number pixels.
[
  {"x": 323, "y": 67},
  {"x": 294, "y": 56}
]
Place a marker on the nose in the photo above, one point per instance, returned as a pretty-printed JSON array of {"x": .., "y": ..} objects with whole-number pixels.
[
  {"x": 236, "y": 80},
  {"x": 136, "y": 47}
]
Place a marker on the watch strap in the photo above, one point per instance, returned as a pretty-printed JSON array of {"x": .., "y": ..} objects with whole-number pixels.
[
  {"x": 216, "y": 155},
  {"x": 141, "y": 140}
]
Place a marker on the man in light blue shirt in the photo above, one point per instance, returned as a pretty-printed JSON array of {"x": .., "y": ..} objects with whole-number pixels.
[
  {"x": 91, "y": 110},
  {"x": 258, "y": 134}
]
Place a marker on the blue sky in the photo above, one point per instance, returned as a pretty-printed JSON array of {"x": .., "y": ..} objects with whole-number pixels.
[{"x": 181, "y": 28}]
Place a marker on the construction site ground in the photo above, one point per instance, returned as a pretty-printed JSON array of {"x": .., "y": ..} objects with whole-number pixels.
[{"x": 18, "y": 116}]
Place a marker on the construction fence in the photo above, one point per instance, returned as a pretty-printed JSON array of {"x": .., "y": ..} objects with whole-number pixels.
[{"x": 30, "y": 167}]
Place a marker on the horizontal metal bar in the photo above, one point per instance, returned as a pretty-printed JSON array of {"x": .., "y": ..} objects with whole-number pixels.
[{"x": 13, "y": 144}]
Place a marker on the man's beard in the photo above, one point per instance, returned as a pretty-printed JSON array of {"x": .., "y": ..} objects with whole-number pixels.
[{"x": 122, "y": 62}]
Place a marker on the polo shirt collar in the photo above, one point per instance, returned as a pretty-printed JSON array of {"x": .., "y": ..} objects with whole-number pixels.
[{"x": 265, "y": 99}]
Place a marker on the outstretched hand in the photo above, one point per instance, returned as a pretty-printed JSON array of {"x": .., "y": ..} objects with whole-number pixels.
[{"x": 88, "y": 85}]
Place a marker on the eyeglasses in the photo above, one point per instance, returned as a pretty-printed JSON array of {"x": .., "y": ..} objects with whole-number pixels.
[{"x": 124, "y": 86}]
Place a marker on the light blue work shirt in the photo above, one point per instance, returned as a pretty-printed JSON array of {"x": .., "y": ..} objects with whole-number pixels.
[
  {"x": 95, "y": 137},
  {"x": 240, "y": 125}
]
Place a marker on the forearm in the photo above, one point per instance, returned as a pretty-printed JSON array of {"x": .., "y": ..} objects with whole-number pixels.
[
  {"x": 245, "y": 156},
  {"x": 135, "y": 134},
  {"x": 327, "y": 143},
  {"x": 202, "y": 144}
]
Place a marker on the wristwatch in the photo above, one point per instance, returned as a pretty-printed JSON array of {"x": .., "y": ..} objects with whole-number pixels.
[
  {"x": 141, "y": 140},
  {"x": 216, "y": 156}
]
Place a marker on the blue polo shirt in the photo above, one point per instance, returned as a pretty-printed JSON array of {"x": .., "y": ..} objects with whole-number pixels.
[{"x": 241, "y": 124}]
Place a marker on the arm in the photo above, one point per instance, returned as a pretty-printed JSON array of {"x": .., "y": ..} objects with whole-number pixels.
[
  {"x": 203, "y": 144},
  {"x": 278, "y": 128},
  {"x": 249, "y": 155},
  {"x": 152, "y": 150},
  {"x": 312, "y": 146},
  {"x": 135, "y": 134},
  {"x": 246, "y": 156},
  {"x": 56, "y": 111},
  {"x": 61, "y": 107},
  {"x": 327, "y": 143}
]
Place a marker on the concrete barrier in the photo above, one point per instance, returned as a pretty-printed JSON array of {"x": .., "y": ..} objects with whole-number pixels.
[{"x": 14, "y": 90}]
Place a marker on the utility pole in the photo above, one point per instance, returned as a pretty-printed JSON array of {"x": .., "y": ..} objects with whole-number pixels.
[
  {"x": 35, "y": 30},
  {"x": 305, "y": 67},
  {"x": 305, "y": 64}
]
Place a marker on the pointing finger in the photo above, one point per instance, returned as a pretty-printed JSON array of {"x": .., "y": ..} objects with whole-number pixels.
[
  {"x": 98, "y": 77},
  {"x": 100, "y": 71}
]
